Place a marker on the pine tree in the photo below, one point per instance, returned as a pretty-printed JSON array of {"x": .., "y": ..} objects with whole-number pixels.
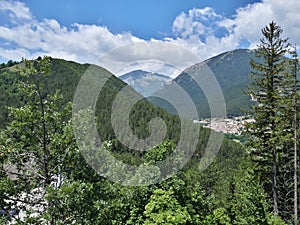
[
  {"x": 267, "y": 74},
  {"x": 287, "y": 125},
  {"x": 295, "y": 68}
]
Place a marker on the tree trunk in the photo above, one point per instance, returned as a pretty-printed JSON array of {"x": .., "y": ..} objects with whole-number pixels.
[
  {"x": 44, "y": 138},
  {"x": 274, "y": 184},
  {"x": 295, "y": 170},
  {"x": 295, "y": 151}
]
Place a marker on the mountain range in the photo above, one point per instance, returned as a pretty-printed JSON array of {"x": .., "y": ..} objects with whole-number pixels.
[
  {"x": 146, "y": 83},
  {"x": 64, "y": 77},
  {"x": 231, "y": 69}
]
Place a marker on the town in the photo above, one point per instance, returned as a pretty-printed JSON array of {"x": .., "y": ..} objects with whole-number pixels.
[{"x": 233, "y": 125}]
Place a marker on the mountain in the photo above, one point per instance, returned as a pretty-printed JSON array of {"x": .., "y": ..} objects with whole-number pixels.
[
  {"x": 146, "y": 83},
  {"x": 231, "y": 70},
  {"x": 65, "y": 76},
  {"x": 84, "y": 184}
]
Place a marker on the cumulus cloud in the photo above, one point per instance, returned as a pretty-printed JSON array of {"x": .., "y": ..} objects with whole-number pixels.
[
  {"x": 83, "y": 43},
  {"x": 15, "y": 10},
  {"x": 200, "y": 31},
  {"x": 196, "y": 22},
  {"x": 89, "y": 43},
  {"x": 250, "y": 20},
  {"x": 14, "y": 53},
  {"x": 206, "y": 33},
  {"x": 154, "y": 56}
]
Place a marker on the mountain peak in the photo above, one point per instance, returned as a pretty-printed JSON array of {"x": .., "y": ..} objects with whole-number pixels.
[
  {"x": 146, "y": 83},
  {"x": 231, "y": 69}
]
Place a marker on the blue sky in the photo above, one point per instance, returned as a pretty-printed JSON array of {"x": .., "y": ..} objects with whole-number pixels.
[
  {"x": 83, "y": 31},
  {"x": 143, "y": 18}
]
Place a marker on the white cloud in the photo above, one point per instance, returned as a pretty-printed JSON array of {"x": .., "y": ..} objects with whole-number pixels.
[
  {"x": 250, "y": 20},
  {"x": 14, "y": 53},
  {"x": 201, "y": 31},
  {"x": 198, "y": 29},
  {"x": 195, "y": 22},
  {"x": 83, "y": 43},
  {"x": 16, "y": 9},
  {"x": 154, "y": 56},
  {"x": 150, "y": 65},
  {"x": 87, "y": 43}
]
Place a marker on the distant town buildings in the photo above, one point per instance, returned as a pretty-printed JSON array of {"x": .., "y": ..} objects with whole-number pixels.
[{"x": 232, "y": 125}]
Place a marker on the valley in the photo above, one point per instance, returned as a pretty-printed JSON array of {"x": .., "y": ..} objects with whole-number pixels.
[
  {"x": 117, "y": 164},
  {"x": 153, "y": 112}
]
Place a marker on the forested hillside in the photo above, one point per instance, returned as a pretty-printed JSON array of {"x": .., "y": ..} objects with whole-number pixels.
[
  {"x": 46, "y": 177},
  {"x": 34, "y": 95},
  {"x": 231, "y": 69}
]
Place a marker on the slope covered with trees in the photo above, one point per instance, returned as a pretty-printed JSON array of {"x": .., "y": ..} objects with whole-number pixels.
[
  {"x": 44, "y": 178},
  {"x": 231, "y": 69}
]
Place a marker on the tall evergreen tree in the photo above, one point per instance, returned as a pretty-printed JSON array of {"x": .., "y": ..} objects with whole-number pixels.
[
  {"x": 267, "y": 74},
  {"x": 295, "y": 68},
  {"x": 287, "y": 125}
]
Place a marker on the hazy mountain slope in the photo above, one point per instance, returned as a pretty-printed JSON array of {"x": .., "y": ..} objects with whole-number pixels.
[
  {"x": 65, "y": 76},
  {"x": 146, "y": 83},
  {"x": 231, "y": 70}
]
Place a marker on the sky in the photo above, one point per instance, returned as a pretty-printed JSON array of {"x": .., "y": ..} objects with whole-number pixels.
[{"x": 84, "y": 31}]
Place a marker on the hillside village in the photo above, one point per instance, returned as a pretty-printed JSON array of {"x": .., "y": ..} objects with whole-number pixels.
[{"x": 232, "y": 125}]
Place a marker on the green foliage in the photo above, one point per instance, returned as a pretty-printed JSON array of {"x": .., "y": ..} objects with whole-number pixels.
[
  {"x": 267, "y": 134},
  {"x": 250, "y": 204},
  {"x": 34, "y": 144},
  {"x": 271, "y": 135},
  {"x": 3, "y": 220},
  {"x": 275, "y": 220},
  {"x": 218, "y": 217},
  {"x": 159, "y": 153},
  {"x": 164, "y": 208},
  {"x": 73, "y": 193},
  {"x": 73, "y": 203}
]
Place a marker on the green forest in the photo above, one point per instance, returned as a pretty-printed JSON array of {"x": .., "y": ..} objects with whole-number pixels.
[{"x": 44, "y": 178}]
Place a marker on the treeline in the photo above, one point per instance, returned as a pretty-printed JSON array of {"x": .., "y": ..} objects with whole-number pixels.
[{"x": 8, "y": 64}]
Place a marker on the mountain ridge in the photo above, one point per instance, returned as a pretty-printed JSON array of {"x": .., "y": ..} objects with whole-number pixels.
[
  {"x": 144, "y": 82},
  {"x": 231, "y": 69},
  {"x": 64, "y": 77}
]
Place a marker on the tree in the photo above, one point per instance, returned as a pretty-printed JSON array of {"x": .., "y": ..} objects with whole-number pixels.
[
  {"x": 250, "y": 206},
  {"x": 34, "y": 145},
  {"x": 164, "y": 208},
  {"x": 267, "y": 75},
  {"x": 295, "y": 69},
  {"x": 218, "y": 217}
]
